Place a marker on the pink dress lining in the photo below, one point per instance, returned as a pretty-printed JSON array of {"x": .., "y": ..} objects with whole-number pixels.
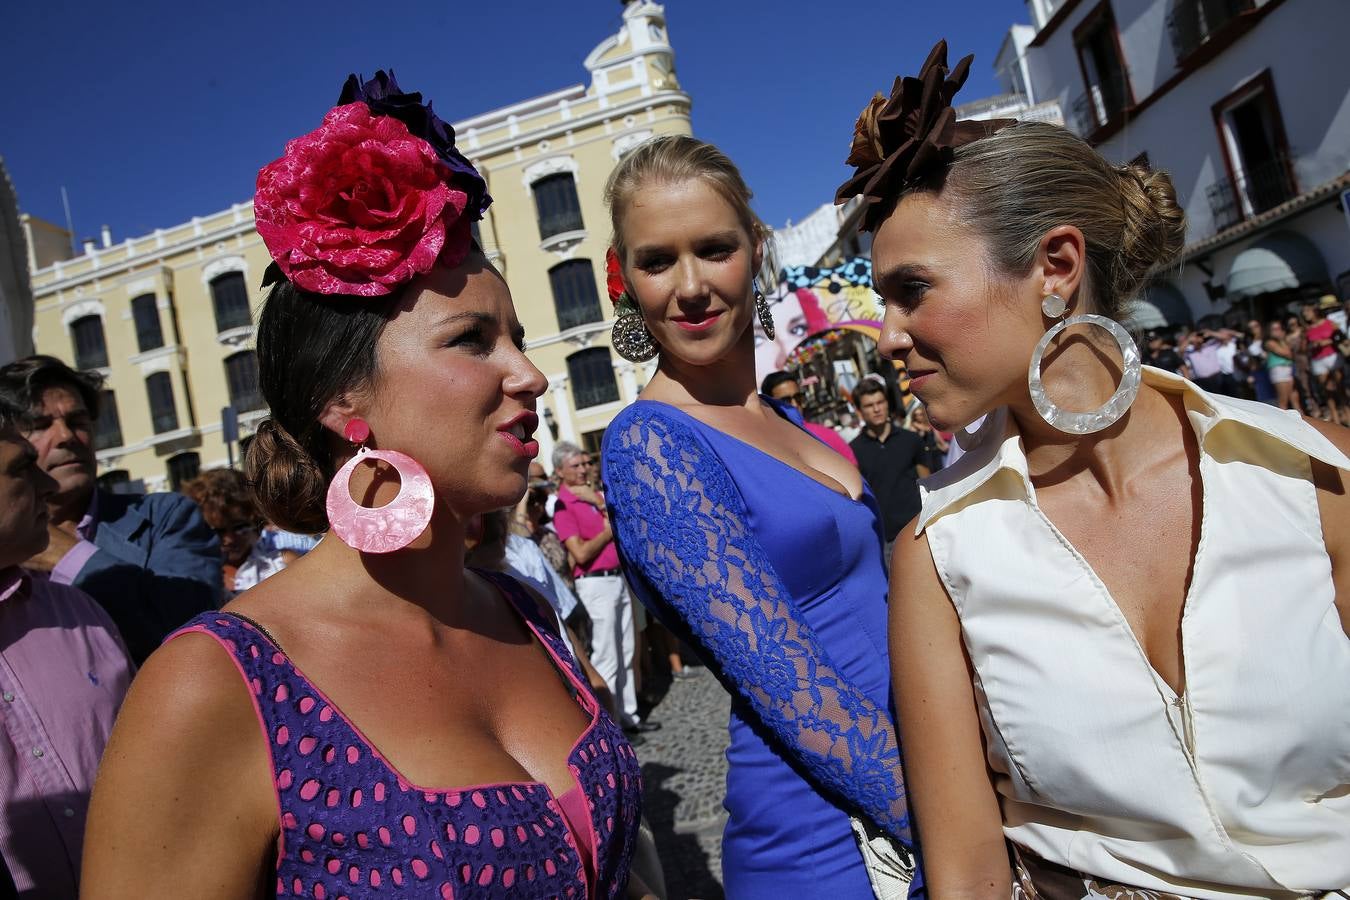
[{"x": 578, "y": 815}]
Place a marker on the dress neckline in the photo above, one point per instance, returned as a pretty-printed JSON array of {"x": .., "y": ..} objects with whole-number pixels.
[
  {"x": 842, "y": 494},
  {"x": 563, "y": 669}
]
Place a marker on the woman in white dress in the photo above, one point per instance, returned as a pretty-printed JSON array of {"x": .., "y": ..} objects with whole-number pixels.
[{"x": 1119, "y": 624}]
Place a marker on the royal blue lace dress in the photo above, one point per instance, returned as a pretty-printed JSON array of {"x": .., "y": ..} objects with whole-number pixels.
[{"x": 778, "y": 582}]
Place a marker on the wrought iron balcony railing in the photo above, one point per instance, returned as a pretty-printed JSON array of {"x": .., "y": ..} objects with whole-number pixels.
[
  {"x": 560, "y": 222},
  {"x": 1251, "y": 192},
  {"x": 1102, "y": 104},
  {"x": 576, "y": 313},
  {"x": 1193, "y": 22},
  {"x": 164, "y": 421}
]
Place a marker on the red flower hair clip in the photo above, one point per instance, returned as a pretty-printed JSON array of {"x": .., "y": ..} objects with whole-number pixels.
[{"x": 618, "y": 291}]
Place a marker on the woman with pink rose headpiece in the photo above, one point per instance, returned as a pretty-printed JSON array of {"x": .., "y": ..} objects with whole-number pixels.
[{"x": 375, "y": 718}]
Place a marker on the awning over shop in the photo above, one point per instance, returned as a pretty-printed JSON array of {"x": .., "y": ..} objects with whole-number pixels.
[
  {"x": 1279, "y": 261},
  {"x": 1162, "y": 305}
]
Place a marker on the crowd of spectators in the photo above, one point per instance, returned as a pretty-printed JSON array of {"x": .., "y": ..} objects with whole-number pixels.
[{"x": 1293, "y": 361}]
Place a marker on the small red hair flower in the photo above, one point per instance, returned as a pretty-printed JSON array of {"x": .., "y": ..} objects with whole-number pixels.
[
  {"x": 360, "y": 206},
  {"x": 614, "y": 277}
]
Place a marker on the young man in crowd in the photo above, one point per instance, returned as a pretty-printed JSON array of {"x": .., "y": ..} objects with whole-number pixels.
[
  {"x": 148, "y": 559},
  {"x": 63, "y": 675},
  {"x": 889, "y": 457}
]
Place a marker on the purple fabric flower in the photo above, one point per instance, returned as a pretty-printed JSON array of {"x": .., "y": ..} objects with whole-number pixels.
[{"x": 383, "y": 96}]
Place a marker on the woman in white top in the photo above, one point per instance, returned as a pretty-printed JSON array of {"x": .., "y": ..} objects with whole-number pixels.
[{"x": 1119, "y": 639}]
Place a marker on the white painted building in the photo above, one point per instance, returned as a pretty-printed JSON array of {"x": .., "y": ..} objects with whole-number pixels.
[
  {"x": 1018, "y": 99},
  {"x": 1246, "y": 103},
  {"x": 804, "y": 243}
]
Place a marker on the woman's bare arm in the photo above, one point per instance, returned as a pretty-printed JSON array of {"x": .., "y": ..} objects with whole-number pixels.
[
  {"x": 956, "y": 809},
  {"x": 1333, "y": 502},
  {"x": 183, "y": 804}
]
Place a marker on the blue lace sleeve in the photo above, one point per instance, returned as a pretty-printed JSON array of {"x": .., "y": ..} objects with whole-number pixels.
[{"x": 680, "y": 524}]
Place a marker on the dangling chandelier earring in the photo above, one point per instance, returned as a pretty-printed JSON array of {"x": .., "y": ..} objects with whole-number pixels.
[
  {"x": 765, "y": 314},
  {"x": 630, "y": 336},
  {"x": 1054, "y": 307},
  {"x": 386, "y": 528}
]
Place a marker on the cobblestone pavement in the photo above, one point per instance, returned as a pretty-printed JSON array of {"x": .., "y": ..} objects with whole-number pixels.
[{"x": 684, "y": 770}]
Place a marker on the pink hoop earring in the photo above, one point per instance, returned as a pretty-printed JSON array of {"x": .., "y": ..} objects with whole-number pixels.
[{"x": 382, "y": 529}]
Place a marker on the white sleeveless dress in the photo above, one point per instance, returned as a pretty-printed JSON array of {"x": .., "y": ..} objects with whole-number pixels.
[{"x": 1240, "y": 788}]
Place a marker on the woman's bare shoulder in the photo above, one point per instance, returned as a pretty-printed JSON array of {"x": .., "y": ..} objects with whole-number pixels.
[{"x": 188, "y": 687}]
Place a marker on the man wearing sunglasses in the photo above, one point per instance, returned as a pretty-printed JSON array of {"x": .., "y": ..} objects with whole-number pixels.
[{"x": 784, "y": 387}]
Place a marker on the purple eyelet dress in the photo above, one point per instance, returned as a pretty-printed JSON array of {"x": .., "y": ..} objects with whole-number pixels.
[{"x": 352, "y": 826}]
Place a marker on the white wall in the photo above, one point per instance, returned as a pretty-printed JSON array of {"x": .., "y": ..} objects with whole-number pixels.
[{"x": 1301, "y": 42}]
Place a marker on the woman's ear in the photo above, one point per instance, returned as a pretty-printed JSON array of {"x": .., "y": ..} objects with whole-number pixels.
[
  {"x": 335, "y": 416},
  {"x": 1061, "y": 262},
  {"x": 757, "y": 259}
]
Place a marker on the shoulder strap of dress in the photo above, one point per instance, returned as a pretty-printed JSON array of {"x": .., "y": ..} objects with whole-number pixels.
[
  {"x": 525, "y": 604},
  {"x": 300, "y": 724}
]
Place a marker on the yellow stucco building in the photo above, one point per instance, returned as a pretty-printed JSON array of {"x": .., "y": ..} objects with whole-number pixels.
[{"x": 168, "y": 317}]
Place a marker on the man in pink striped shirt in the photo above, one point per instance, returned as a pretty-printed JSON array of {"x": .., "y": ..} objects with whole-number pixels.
[{"x": 63, "y": 674}]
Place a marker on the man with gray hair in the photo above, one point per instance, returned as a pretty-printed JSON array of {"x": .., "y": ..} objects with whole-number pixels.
[{"x": 583, "y": 527}]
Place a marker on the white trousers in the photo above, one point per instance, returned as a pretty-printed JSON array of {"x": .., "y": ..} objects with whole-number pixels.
[{"x": 610, "y": 607}]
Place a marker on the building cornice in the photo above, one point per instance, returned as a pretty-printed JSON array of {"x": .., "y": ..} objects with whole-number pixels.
[
  {"x": 502, "y": 115},
  {"x": 597, "y": 116},
  {"x": 155, "y": 254}
]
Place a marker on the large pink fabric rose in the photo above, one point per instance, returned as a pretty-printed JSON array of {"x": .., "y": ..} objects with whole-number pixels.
[{"x": 359, "y": 206}]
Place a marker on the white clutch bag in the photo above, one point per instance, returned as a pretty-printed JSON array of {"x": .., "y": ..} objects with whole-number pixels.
[{"x": 890, "y": 867}]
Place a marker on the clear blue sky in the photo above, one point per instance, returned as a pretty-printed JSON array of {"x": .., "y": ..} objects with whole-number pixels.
[{"x": 151, "y": 111}]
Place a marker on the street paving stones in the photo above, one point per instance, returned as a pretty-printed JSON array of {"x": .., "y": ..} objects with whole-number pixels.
[{"x": 684, "y": 771}]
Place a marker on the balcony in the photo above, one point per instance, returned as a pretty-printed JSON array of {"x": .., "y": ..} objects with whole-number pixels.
[
  {"x": 1192, "y": 23},
  {"x": 1104, "y": 104},
  {"x": 1252, "y": 192},
  {"x": 578, "y": 312},
  {"x": 560, "y": 222},
  {"x": 996, "y": 107}
]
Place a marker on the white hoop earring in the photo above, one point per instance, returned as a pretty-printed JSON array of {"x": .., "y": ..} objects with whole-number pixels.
[{"x": 1103, "y": 416}]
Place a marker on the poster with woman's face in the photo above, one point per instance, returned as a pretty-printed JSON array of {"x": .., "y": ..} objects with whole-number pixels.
[{"x": 790, "y": 328}]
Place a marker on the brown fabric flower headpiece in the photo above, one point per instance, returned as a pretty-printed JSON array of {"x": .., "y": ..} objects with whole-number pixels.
[{"x": 909, "y": 136}]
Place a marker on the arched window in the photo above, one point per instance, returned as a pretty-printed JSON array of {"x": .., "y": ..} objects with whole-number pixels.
[
  {"x": 575, "y": 298},
  {"x": 592, "y": 375},
  {"x": 163, "y": 413},
  {"x": 183, "y": 467},
  {"x": 229, "y": 299},
  {"x": 555, "y": 199},
  {"x": 91, "y": 350},
  {"x": 108, "y": 426},
  {"x": 145, "y": 312},
  {"x": 241, "y": 374}
]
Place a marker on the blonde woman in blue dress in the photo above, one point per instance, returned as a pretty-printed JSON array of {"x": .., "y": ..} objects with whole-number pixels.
[{"x": 1119, "y": 624}]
